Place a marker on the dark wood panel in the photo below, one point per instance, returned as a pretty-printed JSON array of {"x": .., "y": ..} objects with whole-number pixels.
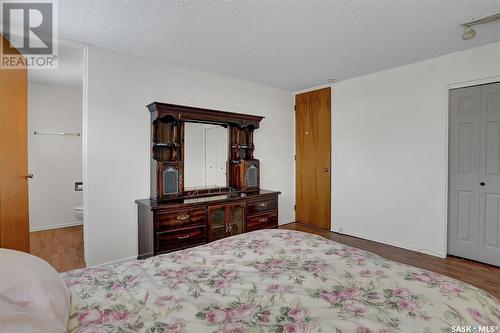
[
  {"x": 262, "y": 205},
  {"x": 166, "y": 220},
  {"x": 262, "y": 221},
  {"x": 481, "y": 275},
  {"x": 189, "y": 113},
  {"x": 145, "y": 234},
  {"x": 179, "y": 239},
  {"x": 212, "y": 199}
]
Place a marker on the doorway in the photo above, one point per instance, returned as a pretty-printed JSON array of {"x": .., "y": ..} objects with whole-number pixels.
[
  {"x": 313, "y": 158},
  {"x": 55, "y": 165},
  {"x": 474, "y": 173}
]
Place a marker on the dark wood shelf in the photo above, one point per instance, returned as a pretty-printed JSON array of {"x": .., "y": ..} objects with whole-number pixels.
[{"x": 166, "y": 145}]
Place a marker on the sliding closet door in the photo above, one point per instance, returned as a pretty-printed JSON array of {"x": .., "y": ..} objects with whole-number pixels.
[
  {"x": 474, "y": 173},
  {"x": 489, "y": 200},
  {"x": 464, "y": 172}
]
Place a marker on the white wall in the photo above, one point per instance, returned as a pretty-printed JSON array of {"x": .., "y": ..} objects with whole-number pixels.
[
  {"x": 119, "y": 88},
  {"x": 390, "y": 149},
  {"x": 55, "y": 161}
]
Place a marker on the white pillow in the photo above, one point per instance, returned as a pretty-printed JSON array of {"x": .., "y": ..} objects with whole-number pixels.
[{"x": 33, "y": 297}]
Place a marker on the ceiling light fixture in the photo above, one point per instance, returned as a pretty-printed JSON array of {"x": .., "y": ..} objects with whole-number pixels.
[{"x": 470, "y": 33}]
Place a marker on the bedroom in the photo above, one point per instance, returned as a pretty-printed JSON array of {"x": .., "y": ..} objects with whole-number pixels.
[{"x": 388, "y": 144}]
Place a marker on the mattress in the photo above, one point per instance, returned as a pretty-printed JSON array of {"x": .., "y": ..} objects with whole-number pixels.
[{"x": 273, "y": 281}]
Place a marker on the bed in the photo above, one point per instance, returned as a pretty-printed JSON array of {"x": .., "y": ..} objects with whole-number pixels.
[{"x": 273, "y": 281}]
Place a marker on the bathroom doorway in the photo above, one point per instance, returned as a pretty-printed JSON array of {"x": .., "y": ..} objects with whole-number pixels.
[{"x": 55, "y": 160}]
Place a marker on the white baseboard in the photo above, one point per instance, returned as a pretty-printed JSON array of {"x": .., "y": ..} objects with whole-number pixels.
[
  {"x": 49, "y": 227},
  {"x": 119, "y": 261},
  {"x": 384, "y": 241}
]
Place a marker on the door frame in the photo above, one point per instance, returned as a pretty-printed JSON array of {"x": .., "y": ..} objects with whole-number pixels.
[
  {"x": 295, "y": 93},
  {"x": 450, "y": 86},
  {"x": 332, "y": 164},
  {"x": 85, "y": 49}
]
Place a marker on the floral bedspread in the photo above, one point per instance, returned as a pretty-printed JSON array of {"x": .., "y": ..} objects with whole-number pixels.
[{"x": 273, "y": 281}]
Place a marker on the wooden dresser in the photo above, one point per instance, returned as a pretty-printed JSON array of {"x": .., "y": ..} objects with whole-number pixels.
[
  {"x": 205, "y": 180},
  {"x": 166, "y": 227}
]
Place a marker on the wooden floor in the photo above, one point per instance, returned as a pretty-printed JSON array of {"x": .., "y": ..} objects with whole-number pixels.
[
  {"x": 483, "y": 276},
  {"x": 62, "y": 247}
]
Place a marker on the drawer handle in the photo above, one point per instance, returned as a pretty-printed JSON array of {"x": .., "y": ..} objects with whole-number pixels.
[
  {"x": 263, "y": 219},
  {"x": 182, "y": 237},
  {"x": 263, "y": 204},
  {"x": 183, "y": 217}
]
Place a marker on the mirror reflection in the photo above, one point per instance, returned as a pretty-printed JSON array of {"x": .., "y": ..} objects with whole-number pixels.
[{"x": 205, "y": 155}]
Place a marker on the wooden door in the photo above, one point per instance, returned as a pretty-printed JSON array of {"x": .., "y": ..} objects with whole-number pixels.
[
  {"x": 313, "y": 158},
  {"x": 14, "y": 223}
]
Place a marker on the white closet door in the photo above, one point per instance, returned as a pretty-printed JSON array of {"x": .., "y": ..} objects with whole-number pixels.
[
  {"x": 489, "y": 200},
  {"x": 463, "y": 210},
  {"x": 474, "y": 173}
]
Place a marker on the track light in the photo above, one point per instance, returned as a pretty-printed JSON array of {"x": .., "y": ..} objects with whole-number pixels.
[{"x": 470, "y": 33}]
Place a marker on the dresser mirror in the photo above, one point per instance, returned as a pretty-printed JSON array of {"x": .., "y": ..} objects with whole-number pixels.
[{"x": 205, "y": 156}]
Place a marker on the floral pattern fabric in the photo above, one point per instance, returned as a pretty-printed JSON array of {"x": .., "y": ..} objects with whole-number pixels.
[{"x": 272, "y": 281}]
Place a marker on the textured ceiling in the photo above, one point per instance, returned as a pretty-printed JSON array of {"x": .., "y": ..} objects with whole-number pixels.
[{"x": 286, "y": 44}]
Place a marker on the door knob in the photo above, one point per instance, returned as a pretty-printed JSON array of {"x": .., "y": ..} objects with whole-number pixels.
[
  {"x": 29, "y": 175},
  {"x": 325, "y": 169},
  {"x": 482, "y": 183}
]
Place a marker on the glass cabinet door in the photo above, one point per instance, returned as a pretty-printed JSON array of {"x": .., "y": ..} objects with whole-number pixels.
[
  {"x": 217, "y": 218},
  {"x": 237, "y": 219},
  {"x": 226, "y": 220},
  {"x": 252, "y": 176},
  {"x": 170, "y": 180}
]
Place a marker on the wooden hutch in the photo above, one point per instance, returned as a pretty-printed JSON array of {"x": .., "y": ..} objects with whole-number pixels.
[{"x": 176, "y": 217}]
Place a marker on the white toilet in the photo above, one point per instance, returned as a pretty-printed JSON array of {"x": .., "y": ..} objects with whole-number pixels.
[{"x": 78, "y": 212}]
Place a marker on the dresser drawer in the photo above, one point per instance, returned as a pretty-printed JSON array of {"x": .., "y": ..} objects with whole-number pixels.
[
  {"x": 263, "y": 221},
  {"x": 260, "y": 206},
  {"x": 180, "y": 239},
  {"x": 168, "y": 220}
]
